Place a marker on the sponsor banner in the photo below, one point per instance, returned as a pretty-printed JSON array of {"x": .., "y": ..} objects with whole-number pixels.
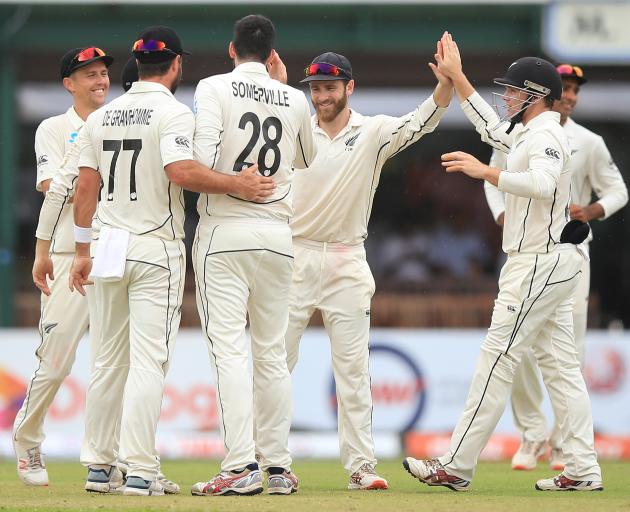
[
  {"x": 419, "y": 382},
  {"x": 425, "y": 445}
]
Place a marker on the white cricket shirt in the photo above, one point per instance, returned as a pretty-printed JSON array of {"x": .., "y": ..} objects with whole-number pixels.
[
  {"x": 333, "y": 197},
  {"x": 537, "y": 178},
  {"x": 244, "y": 117},
  {"x": 54, "y": 139},
  {"x": 592, "y": 170},
  {"x": 129, "y": 141}
]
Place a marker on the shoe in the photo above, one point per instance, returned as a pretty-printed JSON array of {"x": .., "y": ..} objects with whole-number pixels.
[
  {"x": 365, "y": 478},
  {"x": 283, "y": 482},
  {"x": 230, "y": 483},
  {"x": 104, "y": 478},
  {"x": 169, "y": 486},
  {"x": 138, "y": 486},
  {"x": 527, "y": 455},
  {"x": 556, "y": 461},
  {"x": 431, "y": 472},
  {"x": 31, "y": 468},
  {"x": 562, "y": 483}
]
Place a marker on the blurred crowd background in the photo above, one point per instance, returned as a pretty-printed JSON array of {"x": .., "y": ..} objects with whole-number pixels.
[{"x": 433, "y": 246}]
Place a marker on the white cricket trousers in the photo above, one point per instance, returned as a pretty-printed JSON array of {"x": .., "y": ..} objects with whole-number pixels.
[
  {"x": 243, "y": 267},
  {"x": 336, "y": 279},
  {"x": 533, "y": 309},
  {"x": 63, "y": 322},
  {"x": 527, "y": 392},
  {"x": 140, "y": 316}
]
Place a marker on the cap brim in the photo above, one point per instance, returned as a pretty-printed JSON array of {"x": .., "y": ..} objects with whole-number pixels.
[
  {"x": 323, "y": 78},
  {"x": 579, "y": 79},
  {"x": 506, "y": 82}
]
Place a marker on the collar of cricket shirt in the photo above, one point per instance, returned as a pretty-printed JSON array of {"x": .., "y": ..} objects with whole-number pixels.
[
  {"x": 356, "y": 119},
  {"x": 252, "y": 67},
  {"x": 144, "y": 86},
  {"x": 542, "y": 118},
  {"x": 74, "y": 118}
]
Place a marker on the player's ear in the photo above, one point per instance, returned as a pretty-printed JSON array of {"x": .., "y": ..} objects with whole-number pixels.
[
  {"x": 350, "y": 87},
  {"x": 68, "y": 85},
  {"x": 232, "y": 50}
]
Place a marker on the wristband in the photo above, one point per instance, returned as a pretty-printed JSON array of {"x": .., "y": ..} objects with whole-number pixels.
[{"x": 82, "y": 235}]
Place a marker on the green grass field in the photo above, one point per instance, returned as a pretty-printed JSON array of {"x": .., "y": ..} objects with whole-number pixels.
[{"x": 322, "y": 488}]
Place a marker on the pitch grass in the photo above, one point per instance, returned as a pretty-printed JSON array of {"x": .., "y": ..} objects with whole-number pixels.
[{"x": 323, "y": 489}]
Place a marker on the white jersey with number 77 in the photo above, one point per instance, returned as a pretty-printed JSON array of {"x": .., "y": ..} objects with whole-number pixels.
[{"x": 129, "y": 141}]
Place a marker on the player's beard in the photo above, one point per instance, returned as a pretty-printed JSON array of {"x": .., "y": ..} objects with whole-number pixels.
[{"x": 336, "y": 108}]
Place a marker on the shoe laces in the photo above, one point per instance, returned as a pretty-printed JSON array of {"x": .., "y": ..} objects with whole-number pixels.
[
  {"x": 530, "y": 446},
  {"x": 367, "y": 468},
  {"x": 34, "y": 458}
]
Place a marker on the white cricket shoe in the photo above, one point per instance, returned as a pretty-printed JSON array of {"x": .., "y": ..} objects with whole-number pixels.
[
  {"x": 31, "y": 468},
  {"x": 432, "y": 472},
  {"x": 137, "y": 486},
  {"x": 562, "y": 483},
  {"x": 104, "y": 478},
  {"x": 169, "y": 486},
  {"x": 365, "y": 478},
  {"x": 231, "y": 483},
  {"x": 556, "y": 461},
  {"x": 526, "y": 457},
  {"x": 282, "y": 483}
]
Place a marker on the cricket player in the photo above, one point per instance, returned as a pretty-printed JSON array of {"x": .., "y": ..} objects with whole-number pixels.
[
  {"x": 60, "y": 192},
  {"x": 333, "y": 202},
  {"x": 140, "y": 145},
  {"x": 243, "y": 257},
  {"x": 592, "y": 170},
  {"x": 64, "y": 316},
  {"x": 537, "y": 283}
]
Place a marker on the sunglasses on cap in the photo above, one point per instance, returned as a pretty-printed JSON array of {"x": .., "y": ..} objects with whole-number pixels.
[
  {"x": 323, "y": 69},
  {"x": 568, "y": 69},
  {"x": 150, "y": 45},
  {"x": 88, "y": 53}
]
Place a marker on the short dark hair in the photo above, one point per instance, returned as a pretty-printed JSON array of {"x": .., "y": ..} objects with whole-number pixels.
[
  {"x": 148, "y": 69},
  {"x": 254, "y": 37},
  {"x": 548, "y": 101}
]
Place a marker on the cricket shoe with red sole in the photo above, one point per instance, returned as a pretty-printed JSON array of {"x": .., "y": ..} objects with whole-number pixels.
[{"x": 366, "y": 479}]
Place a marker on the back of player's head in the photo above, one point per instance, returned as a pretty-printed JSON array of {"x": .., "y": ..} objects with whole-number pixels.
[
  {"x": 254, "y": 37},
  {"x": 129, "y": 73},
  {"x": 155, "y": 49}
]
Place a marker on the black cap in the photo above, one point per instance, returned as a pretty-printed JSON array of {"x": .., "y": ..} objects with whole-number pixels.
[
  {"x": 334, "y": 59},
  {"x": 533, "y": 74},
  {"x": 159, "y": 33},
  {"x": 73, "y": 60},
  {"x": 129, "y": 74}
]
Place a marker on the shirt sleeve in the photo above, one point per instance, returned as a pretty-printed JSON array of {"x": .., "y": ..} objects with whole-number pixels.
[
  {"x": 398, "y": 133},
  {"x": 546, "y": 159},
  {"x": 87, "y": 152},
  {"x": 606, "y": 180},
  {"x": 487, "y": 123},
  {"x": 176, "y": 136},
  {"x": 306, "y": 148},
  {"x": 208, "y": 124},
  {"x": 61, "y": 189},
  {"x": 49, "y": 150}
]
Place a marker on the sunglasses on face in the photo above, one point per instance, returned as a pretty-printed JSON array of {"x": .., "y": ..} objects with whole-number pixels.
[
  {"x": 322, "y": 69},
  {"x": 568, "y": 69}
]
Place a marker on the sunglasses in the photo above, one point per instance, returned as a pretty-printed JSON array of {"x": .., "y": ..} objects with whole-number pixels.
[
  {"x": 323, "y": 69},
  {"x": 150, "y": 45},
  {"x": 88, "y": 53},
  {"x": 568, "y": 69}
]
